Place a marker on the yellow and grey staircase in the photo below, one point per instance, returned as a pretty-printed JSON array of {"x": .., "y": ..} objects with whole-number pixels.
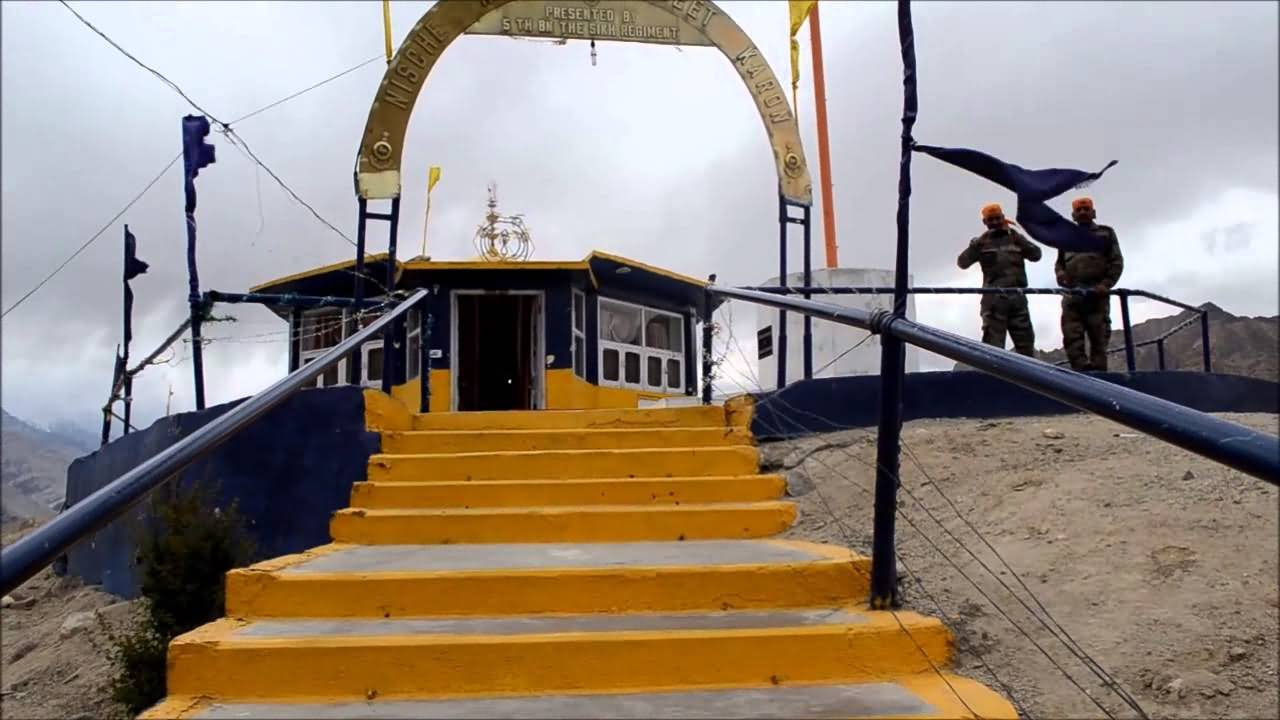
[{"x": 565, "y": 564}]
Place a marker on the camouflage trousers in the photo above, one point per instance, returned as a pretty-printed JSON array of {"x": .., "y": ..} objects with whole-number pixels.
[
  {"x": 1008, "y": 314},
  {"x": 1084, "y": 318}
]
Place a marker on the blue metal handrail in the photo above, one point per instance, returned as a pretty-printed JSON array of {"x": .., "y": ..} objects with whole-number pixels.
[
  {"x": 1234, "y": 445},
  {"x": 1122, "y": 293},
  {"x": 28, "y": 556}
]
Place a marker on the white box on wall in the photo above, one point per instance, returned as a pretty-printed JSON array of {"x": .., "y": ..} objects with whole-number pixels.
[{"x": 831, "y": 341}]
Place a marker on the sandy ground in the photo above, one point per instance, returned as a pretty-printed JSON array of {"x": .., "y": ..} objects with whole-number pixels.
[
  {"x": 1160, "y": 565},
  {"x": 53, "y": 665}
]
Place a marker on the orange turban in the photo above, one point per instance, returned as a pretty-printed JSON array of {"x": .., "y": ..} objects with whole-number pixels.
[
  {"x": 993, "y": 209},
  {"x": 1082, "y": 202}
]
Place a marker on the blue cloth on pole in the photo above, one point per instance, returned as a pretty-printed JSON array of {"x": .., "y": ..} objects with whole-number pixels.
[{"x": 1033, "y": 188}]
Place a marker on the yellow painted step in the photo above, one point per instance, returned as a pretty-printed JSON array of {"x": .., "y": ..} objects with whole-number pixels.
[
  {"x": 385, "y": 659},
  {"x": 534, "y": 493},
  {"x": 569, "y": 464},
  {"x": 925, "y": 696},
  {"x": 583, "y": 523},
  {"x": 698, "y": 416},
  {"x": 399, "y": 581},
  {"x": 470, "y": 441}
]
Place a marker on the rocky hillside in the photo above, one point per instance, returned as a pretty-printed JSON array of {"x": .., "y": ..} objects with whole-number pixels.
[
  {"x": 1238, "y": 345},
  {"x": 1247, "y": 346},
  {"x": 33, "y": 468}
]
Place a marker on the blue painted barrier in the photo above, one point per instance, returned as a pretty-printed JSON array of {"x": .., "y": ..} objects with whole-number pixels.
[
  {"x": 287, "y": 472},
  {"x": 841, "y": 403}
]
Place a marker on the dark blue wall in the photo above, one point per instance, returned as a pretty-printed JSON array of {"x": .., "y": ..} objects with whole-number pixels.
[
  {"x": 287, "y": 472},
  {"x": 827, "y": 404}
]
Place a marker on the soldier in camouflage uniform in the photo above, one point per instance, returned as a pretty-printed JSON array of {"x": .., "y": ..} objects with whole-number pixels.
[
  {"x": 1088, "y": 316},
  {"x": 1001, "y": 251}
]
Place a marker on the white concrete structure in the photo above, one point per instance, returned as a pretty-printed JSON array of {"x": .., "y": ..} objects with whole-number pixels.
[{"x": 832, "y": 355}]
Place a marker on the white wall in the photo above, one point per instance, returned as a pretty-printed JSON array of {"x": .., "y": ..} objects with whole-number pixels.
[{"x": 831, "y": 339}]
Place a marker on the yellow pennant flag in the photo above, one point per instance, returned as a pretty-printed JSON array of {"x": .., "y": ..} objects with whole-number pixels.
[
  {"x": 433, "y": 177},
  {"x": 799, "y": 13}
]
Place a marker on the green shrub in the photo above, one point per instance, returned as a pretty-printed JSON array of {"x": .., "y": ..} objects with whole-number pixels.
[{"x": 183, "y": 557}]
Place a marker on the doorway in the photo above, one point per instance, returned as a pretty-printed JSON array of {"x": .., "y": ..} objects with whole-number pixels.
[{"x": 497, "y": 351}]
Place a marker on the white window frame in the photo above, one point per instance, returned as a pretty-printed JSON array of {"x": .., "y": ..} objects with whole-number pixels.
[
  {"x": 414, "y": 330},
  {"x": 642, "y": 350},
  {"x": 305, "y": 356},
  {"x": 575, "y": 333}
]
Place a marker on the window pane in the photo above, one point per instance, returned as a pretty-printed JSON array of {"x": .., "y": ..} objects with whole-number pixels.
[
  {"x": 610, "y": 369},
  {"x": 674, "y": 379},
  {"x": 633, "y": 368},
  {"x": 663, "y": 332},
  {"x": 413, "y": 356},
  {"x": 321, "y": 330},
  {"x": 369, "y": 317},
  {"x": 579, "y": 312},
  {"x": 654, "y": 375},
  {"x": 619, "y": 323},
  {"x": 373, "y": 364},
  {"x": 330, "y": 376},
  {"x": 580, "y": 356}
]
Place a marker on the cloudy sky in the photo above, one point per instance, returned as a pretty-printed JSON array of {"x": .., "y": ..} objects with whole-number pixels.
[{"x": 654, "y": 153}]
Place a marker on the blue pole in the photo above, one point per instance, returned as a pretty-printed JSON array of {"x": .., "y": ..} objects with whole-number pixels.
[
  {"x": 884, "y": 566},
  {"x": 781, "y": 350},
  {"x": 196, "y": 153}
]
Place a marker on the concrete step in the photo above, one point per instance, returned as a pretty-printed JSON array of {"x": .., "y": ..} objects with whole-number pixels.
[
  {"x": 557, "y": 464},
  {"x": 460, "y": 656},
  {"x": 575, "y": 523},
  {"x": 515, "y": 579},
  {"x": 922, "y": 697},
  {"x": 470, "y": 441},
  {"x": 535, "y": 493},
  {"x": 701, "y": 416}
]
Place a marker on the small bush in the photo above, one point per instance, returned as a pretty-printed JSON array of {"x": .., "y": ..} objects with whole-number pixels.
[{"x": 183, "y": 557}]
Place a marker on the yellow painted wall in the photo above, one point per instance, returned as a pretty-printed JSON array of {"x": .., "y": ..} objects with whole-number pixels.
[
  {"x": 565, "y": 391},
  {"x": 408, "y": 393}
]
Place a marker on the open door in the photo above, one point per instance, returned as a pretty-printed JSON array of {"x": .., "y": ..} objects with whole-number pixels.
[{"x": 499, "y": 344}]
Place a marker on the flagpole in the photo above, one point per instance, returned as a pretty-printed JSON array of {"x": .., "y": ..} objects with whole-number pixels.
[
  {"x": 824, "y": 148},
  {"x": 425, "y": 216},
  {"x": 386, "y": 27}
]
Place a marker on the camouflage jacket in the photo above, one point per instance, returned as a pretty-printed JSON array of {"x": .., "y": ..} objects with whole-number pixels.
[
  {"x": 1089, "y": 269},
  {"x": 1001, "y": 253}
]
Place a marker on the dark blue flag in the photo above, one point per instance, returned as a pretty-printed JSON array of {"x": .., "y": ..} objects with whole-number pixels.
[
  {"x": 1033, "y": 188},
  {"x": 133, "y": 267}
]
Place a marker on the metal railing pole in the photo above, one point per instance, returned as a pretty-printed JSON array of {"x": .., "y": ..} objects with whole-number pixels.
[
  {"x": 781, "y": 350},
  {"x": 1130, "y": 360},
  {"x": 425, "y": 320},
  {"x": 707, "y": 366},
  {"x": 1160, "y": 354},
  {"x": 1204, "y": 339},
  {"x": 808, "y": 282}
]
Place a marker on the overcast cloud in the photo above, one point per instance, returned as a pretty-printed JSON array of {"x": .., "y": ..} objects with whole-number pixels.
[{"x": 655, "y": 153}]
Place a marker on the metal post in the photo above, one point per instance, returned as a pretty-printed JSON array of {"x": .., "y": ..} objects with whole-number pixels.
[
  {"x": 1129, "y": 359},
  {"x": 196, "y": 153},
  {"x": 295, "y": 338},
  {"x": 353, "y": 362},
  {"x": 781, "y": 349},
  {"x": 392, "y": 333},
  {"x": 115, "y": 382},
  {"x": 808, "y": 283},
  {"x": 707, "y": 367},
  {"x": 425, "y": 320},
  {"x": 1160, "y": 354},
  {"x": 1204, "y": 339},
  {"x": 884, "y": 563}
]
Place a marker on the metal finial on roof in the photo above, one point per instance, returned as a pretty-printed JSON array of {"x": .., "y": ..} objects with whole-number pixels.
[{"x": 502, "y": 237}]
